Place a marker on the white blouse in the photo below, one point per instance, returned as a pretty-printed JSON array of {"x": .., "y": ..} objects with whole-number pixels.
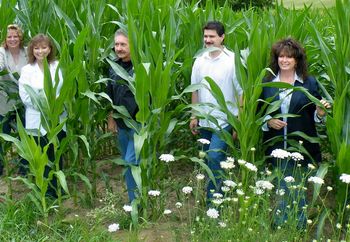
[
  {"x": 8, "y": 63},
  {"x": 32, "y": 76}
]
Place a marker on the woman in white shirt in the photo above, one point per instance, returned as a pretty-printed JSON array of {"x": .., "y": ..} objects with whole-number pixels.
[
  {"x": 12, "y": 58},
  {"x": 39, "y": 48}
]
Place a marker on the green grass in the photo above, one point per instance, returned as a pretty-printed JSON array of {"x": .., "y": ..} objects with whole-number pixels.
[{"x": 300, "y": 3}]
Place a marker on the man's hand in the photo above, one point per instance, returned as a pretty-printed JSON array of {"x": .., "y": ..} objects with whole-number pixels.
[
  {"x": 111, "y": 124},
  {"x": 193, "y": 126},
  {"x": 234, "y": 135},
  {"x": 276, "y": 124}
]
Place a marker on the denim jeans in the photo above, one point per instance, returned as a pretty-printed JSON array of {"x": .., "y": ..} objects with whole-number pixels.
[
  {"x": 216, "y": 152},
  {"x": 292, "y": 204},
  {"x": 127, "y": 148}
]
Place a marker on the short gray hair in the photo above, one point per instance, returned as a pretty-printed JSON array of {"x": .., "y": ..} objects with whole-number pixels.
[{"x": 121, "y": 32}]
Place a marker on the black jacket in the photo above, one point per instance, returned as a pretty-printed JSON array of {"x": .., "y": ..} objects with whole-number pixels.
[
  {"x": 118, "y": 90},
  {"x": 305, "y": 109}
]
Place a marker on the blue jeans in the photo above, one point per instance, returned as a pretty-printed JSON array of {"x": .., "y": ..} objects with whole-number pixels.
[
  {"x": 291, "y": 204},
  {"x": 216, "y": 151},
  {"x": 127, "y": 148}
]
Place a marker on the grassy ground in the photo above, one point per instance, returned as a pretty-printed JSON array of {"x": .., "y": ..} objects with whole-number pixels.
[{"x": 315, "y": 3}]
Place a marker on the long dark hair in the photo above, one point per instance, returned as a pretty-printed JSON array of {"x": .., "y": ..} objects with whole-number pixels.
[{"x": 291, "y": 48}]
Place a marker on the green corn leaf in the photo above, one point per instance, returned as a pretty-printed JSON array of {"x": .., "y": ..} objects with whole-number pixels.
[
  {"x": 321, "y": 173},
  {"x": 86, "y": 181},
  {"x": 205, "y": 167},
  {"x": 139, "y": 140},
  {"x": 62, "y": 178},
  {"x": 136, "y": 173},
  {"x": 321, "y": 223},
  {"x": 86, "y": 143},
  {"x": 92, "y": 96}
]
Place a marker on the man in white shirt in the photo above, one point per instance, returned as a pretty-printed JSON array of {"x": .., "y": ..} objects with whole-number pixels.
[{"x": 219, "y": 65}]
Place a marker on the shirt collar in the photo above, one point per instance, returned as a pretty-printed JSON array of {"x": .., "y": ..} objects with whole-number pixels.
[
  {"x": 296, "y": 78},
  {"x": 223, "y": 51}
]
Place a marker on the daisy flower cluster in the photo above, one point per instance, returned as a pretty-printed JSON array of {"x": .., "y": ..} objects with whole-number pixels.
[
  {"x": 283, "y": 154},
  {"x": 345, "y": 178},
  {"x": 167, "y": 158},
  {"x": 212, "y": 213},
  {"x": 227, "y": 164},
  {"x": 316, "y": 180},
  {"x": 187, "y": 189},
  {"x": 154, "y": 193}
]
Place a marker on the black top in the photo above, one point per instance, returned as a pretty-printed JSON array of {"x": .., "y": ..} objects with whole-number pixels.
[
  {"x": 118, "y": 90},
  {"x": 300, "y": 105}
]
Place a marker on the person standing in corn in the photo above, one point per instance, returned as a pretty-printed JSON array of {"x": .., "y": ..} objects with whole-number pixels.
[
  {"x": 118, "y": 90},
  {"x": 296, "y": 114},
  {"x": 13, "y": 57},
  {"x": 219, "y": 65}
]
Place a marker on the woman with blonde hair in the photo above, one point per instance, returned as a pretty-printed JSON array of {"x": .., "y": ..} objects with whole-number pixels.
[{"x": 12, "y": 58}]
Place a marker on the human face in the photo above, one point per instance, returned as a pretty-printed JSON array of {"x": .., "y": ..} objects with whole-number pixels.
[
  {"x": 286, "y": 62},
  {"x": 12, "y": 39},
  {"x": 212, "y": 39},
  {"x": 121, "y": 47},
  {"x": 41, "y": 51}
]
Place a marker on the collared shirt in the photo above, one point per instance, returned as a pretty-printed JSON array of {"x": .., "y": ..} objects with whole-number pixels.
[{"x": 222, "y": 70}]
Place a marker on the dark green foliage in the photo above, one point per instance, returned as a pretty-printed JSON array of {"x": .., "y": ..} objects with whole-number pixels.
[{"x": 245, "y": 4}]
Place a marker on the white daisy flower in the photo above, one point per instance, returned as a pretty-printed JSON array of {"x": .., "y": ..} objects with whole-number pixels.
[
  {"x": 127, "y": 208},
  {"x": 230, "y": 183},
  {"x": 345, "y": 178},
  {"x": 251, "y": 167},
  {"x": 280, "y": 154},
  {"x": 167, "y": 157},
  {"x": 316, "y": 180},
  {"x": 289, "y": 179},
  {"x": 213, "y": 213},
  {"x": 154, "y": 193},
  {"x": 187, "y": 190},
  {"x": 178, "y": 205},
  {"x": 200, "y": 177},
  {"x": 297, "y": 156},
  {"x": 203, "y": 141},
  {"x": 113, "y": 227},
  {"x": 167, "y": 211},
  {"x": 266, "y": 185}
]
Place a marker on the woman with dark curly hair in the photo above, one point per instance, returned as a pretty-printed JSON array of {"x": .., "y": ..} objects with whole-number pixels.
[{"x": 296, "y": 113}]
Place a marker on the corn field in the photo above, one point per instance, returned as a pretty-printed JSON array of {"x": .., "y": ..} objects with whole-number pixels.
[{"x": 164, "y": 36}]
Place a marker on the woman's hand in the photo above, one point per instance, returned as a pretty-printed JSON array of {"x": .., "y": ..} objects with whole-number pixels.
[
  {"x": 321, "y": 112},
  {"x": 275, "y": 123}
]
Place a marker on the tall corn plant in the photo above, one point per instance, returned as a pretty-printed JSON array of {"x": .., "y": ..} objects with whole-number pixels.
[
  {"x": 37, "y": 158},
  {"x": 7, "y": 16},
  {"x": 86, "y": 115},
  {"x": 152, "y": 28},
  {"x": 335, "y": 57},
  {"x": 50, "y": 105}
]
